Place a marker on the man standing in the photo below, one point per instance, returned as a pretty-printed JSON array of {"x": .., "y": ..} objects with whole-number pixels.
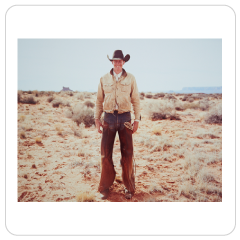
[{"x": 117, "y": 90}]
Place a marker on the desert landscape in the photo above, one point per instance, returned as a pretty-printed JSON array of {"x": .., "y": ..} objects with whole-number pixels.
[{"x": 177, "y": 148}]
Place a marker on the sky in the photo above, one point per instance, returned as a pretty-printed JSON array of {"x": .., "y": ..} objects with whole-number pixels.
[{"x": 157, "y": 64}]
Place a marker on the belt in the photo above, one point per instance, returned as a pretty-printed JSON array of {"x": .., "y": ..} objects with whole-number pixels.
[{"x": 116, "y": 111}]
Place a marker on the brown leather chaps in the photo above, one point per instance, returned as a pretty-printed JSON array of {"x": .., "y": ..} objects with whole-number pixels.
[{"x": 114, "y": 122}]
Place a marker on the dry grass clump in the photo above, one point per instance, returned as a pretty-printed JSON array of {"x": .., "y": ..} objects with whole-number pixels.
[
  {"x": 28, "y": 100},
  {"x": 87, "y": 95},
  {"x": 188, "y": 190},
  {"x": 21, "y": 118},
  {"x": 157, "y": 130},
  {"x": 47, "y": 93},
  {"x": 38, "y": 140},
  {"x": 202, "y": 105},
  {"x": 75, "y": 164},
  {"x": 85, "y": 196},
  {"x": 154, "y": 187},
  {"x": 89, "y": 104},
  {"x": 202, "y": 133},
  {"x": 214, "y": 115},
  {"x": 78, "y": 131},
  {"x": 82, "y": 153},
  {"x": 22, "y": 135},
  {"x": 59, "y": 102},
  {"x": 197, "y": 96},
  {"x": 59, "y": 129},
  {"x": 68, "y": 113},
  {"x": 205, "y": 175},
  {"x": 83, "y": 114}
]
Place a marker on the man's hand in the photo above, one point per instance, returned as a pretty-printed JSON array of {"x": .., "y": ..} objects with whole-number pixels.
[
  {"x": 98, "y": 125},
  {"x": 135, "y": 126}
]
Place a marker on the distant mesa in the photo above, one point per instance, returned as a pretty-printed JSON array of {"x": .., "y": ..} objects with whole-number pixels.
[
  {"x": 199, "y": 90},
  {"x": 66, "y": 89}
]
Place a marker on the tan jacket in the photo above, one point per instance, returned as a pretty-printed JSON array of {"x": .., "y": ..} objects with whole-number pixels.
[{"x": 123, "y": 93}]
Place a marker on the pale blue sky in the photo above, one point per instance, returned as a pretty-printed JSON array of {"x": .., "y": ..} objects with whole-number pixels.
[{"x": 157, "y": 64}]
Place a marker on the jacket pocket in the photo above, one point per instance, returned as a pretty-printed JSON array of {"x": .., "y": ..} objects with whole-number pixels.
[
  {"x": 108, "y": 87},
  {"x": 125, "y": 87}
]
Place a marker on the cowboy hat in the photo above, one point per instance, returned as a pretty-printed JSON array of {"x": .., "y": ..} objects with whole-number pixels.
[{"x": 118, "y": 55}]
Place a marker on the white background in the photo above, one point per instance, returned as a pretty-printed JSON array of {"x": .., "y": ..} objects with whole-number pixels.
[{"x": 122, "y": 218}]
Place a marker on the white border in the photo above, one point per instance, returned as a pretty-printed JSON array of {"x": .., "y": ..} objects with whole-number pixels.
[{"x": 121, "y": 218}]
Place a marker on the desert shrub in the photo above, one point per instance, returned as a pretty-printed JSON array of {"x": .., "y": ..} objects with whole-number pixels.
[
  {"x": 19, "y": 95},
  {"x": 69, "y": 93},
  {"x": 29, "y": 100},
  {"x": 89, "y": 104},
  {"x": 148, "y": 95},
  {"x": 141, "y": 97},
  {"x": 36, "y": 93},
  {"x": 80, "y": 96},
  {"x": 214, "y": 115},
  {"x": 48, "y": 93},
  {"x": 87, "y": 95},
  {"x": 29, "y": 92},
  {"x": 196, "y": 96},
  {"x": 159, "y": 109},
  {"x": 50, "y": 99},
  {"x": 158, "y": 116},
  {"x": 190, "y": 99},
  {"x": 68, "y": 113},
  {"x": 83, "y": 114},
  {"x": 179, "y": 109},
  {"x": 155, "y": 97},
  {"x": 160, "y": 94},
  {"x": 169, "y": 96},
  {"x": 184, "y": 98},
  {"x": 58, "y": 101},
  {"x": 191, "y": 106},
  {"x": 142, "y": 94},
  {"x": 204, "y": 105}
]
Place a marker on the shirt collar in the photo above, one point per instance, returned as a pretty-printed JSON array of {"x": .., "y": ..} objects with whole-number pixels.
[{"x": 118, "y": 75}]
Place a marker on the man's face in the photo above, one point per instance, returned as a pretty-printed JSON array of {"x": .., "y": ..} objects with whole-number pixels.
[{"x": 118, "y": 64}]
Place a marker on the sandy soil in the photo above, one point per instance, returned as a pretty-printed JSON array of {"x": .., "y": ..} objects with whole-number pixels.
[{"x": 52, "y": 168}]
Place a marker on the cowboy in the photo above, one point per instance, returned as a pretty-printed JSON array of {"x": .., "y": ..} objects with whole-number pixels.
[{"x": 117, "y": 90}]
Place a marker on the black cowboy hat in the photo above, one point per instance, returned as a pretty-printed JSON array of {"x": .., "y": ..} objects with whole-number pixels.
[{"x": 118, "y": 55}]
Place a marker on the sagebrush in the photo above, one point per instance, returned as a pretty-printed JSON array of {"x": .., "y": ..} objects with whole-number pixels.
[{"x": 83, "y": 114}]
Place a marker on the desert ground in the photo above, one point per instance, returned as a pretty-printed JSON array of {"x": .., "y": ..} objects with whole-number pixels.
[{"x": 177, "y": 149}]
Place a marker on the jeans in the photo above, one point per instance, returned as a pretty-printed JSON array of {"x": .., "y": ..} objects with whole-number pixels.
[{"x": 114, "y": 122}]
